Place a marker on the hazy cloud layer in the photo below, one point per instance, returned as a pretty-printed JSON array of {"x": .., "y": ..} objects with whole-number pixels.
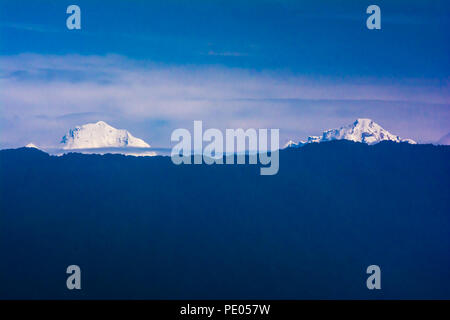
[{"x": 41, "y": 97}]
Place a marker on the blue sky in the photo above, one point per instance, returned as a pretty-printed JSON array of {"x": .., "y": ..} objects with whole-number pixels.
[{"x": 153, "y": 66}]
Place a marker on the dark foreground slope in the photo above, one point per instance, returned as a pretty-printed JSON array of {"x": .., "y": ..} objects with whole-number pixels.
[{"x": 145, "y": 228}]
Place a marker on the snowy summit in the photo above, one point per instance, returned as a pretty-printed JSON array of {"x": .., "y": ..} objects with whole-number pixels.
[
  {"x": 31, "y": 145},
  {"x": 362, "y": 130},
  {"x": 100, "y": 135}
]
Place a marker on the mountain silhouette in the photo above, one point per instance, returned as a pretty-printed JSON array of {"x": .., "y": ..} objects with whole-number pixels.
[{"x": 142, "y": 227}]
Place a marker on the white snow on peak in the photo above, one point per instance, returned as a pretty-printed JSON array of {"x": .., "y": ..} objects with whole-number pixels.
[
  {"x": 31, "y": 145},
  {"x": 410, "y": 141},
  {"x": 313, "y": 139},
  {"x": 100, "y": 135},
  {"x": 291, "y": 144},
  {"x": 362, "y": 130}
]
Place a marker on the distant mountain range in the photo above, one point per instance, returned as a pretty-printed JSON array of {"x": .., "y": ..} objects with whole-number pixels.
[
  {"x": 101, "y": 138},
  {"x": 362, "y": 130}
]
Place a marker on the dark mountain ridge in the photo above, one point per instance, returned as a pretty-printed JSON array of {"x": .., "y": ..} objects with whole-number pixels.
[{"x": 142, "y": 227}]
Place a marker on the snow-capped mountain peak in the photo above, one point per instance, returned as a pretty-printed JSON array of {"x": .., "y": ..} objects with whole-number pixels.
[
  {"x": 362, "y": 130},
  {"x": 291, "y": 144},
  {"x": 31, "y": 145},
  {"x": 100, "y": 135}
]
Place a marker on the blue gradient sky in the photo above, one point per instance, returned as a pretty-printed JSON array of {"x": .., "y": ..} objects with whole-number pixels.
[{"x": 153, "y": 66}]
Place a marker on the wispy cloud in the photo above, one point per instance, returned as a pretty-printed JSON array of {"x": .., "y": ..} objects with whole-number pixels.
[
  {"x": 42, "y": 96},
  {"x": 30, "y": 27},
  {"x": 227, "y": 54}
]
